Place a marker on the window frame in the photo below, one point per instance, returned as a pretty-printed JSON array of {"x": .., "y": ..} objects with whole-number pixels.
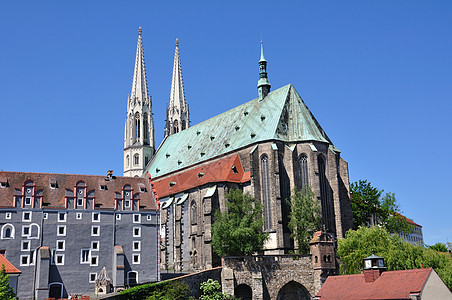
[
  {"x": 58, "y": 230},
  {"x": 88, "y": 260},
  {"x": 57, "y": 245},
  {"x": 139, "y": 218},
  {"x": 30, "y": 216},
  {"x": 136, "y": 248},
  {"x": 27, "y": 257},
  {"x": 134, "y": 231},
  {"x": 95, "y": 248},
  {"x": 64, "y": 218},
  {"x": 92, "y": 230},
  {"x": 93, "y": 217},
  {"x": 136, "y": 255}
]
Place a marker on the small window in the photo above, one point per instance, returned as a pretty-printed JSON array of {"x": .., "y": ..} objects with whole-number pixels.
[
  {"x": 118, "y": 217},
  {"x": 136, "y": 246},
  {"x": 62, "y": 217},
  {"x": 79, "y": 201},
  {"x": 136, "y": 259},
  {"x": 85, "y": 255},
  {"x": 95, "y": 245},
  {"x": 136, "y": 231},
  {"x": 26, "y": 231},
  {"x": 127, "y": 203},
  {"x": 24, "y": 260},
  {"x": 96, "y": 217},
  {"x": 61, "y": 230},
  {"x": 25, "y": 246},
  {"x": 27, "y": 200},
  {"x": 45, "y": 216},
  {"x": 92, "y": 277},
  {"x": 95, "y": 230},
  {"x": 94, "y": 260},
  {"x": 136, "y": 218},
  {"x": 26, "y": 216},
  {"x": 59, "y": 259},
  {"x": 60, "y": 245},
  {"x": 103, "y": 187},
  {"x": 143, "y": 189},
  {"x": 149, "y": 217},
  {"x": 8, "y": 216},
  {"x": 78, "y": 216},
  {"x": 3, "y": 184},
  {"x": 53, "y": 185},
  {"x": 3, "y": 252}
]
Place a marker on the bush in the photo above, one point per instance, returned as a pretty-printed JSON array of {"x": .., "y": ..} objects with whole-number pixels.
[{"x": 165, "y": 290}]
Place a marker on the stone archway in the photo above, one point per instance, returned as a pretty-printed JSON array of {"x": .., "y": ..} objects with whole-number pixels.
[
  {"x": 293, "y": 291},
  {"x": 244, "y": 292}
]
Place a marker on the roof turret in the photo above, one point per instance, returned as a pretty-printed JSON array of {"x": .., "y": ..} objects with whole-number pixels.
[{"x": 263, "y": 85}]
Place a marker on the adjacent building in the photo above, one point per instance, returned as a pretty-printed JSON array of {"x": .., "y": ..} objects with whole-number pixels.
[{"x": 63, "y": 229}]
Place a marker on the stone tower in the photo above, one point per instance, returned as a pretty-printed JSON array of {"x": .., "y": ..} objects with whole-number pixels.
[
  {"x": 177, "y": 114},
  {"x": 139, "y": 143}
]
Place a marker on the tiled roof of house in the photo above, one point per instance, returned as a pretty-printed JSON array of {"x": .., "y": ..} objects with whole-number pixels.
[
  {"x": 390, "y": 285},
  {"x": 409, "y": 221},
  {"x": 9, "y": 267},
  {"x": 104, "y": 197},
  {"x": 281, "y": 115},
  {"x": 228, "y": 169}
]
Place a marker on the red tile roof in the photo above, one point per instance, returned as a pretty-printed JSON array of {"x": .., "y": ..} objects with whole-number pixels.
[
  {"x": 9, "y": 267},
  {"x": 56, "y": 197},
  {"x": 228, "y": 169},
  {"x": 390, "y": 285},
  {"x": 408, "y": 220}
]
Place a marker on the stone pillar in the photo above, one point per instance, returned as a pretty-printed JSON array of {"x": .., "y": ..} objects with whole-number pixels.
[
  {"x": 42, "y": 273},
  {"x": 118, "y": 268},
  {"x": 227, "y": 280},
  {"x": 258, "y": 286}
]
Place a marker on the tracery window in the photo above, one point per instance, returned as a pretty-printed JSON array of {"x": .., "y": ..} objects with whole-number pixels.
[
  {"x": 265, "y": 175},
  {"x": 303, "y": 170},
  {"x": 327, "y": 209},
  {"x": 136, "y": 159},
  {"x": 193, "y": 212}
]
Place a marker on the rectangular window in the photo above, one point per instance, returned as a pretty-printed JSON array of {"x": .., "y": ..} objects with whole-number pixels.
[
  {"x": 136, "y": 218},
  {"x": 79, "y": 201},
  {"x": 62, "y": 217},
  {"x": 85, "y": 255},
  {"x": 78, "y": 216},
  {"x": 24, "y": 260},
  {"x": 8, "y": 216},
  {"x": 26, "y": 216},
  {"x": 118, "y": 217},
  {"x": 25, "y": 230},
  {"x": 25, "y": 246},
  {"x": 61, "y": 230},
  {"x": 136, "y": 259},
  {"x": 149, "y": 217},
  {"x": 92, "y": 277},
  {"x": 59, "y": 259},
  {"x": 95, "y": 230},
  {"x": 45, "y": 216},
  {"x": 136, "y": 246},
  {"x": 60, "y": 245},
  {"x": 94, "y": 260},
  {"x": 136, "y": 231},
  {"x": 95, "y": 245},
  {"x": 3, "y": 252},
  {"x": 127, "y": 203},
  {"x": 96, "y": 217},
  {"x": 27, "y": 200}
]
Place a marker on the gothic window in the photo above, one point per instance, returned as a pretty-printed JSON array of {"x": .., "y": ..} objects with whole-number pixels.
[
  {"x": 137, "y": 125},
  {"x": 127, "y": 160},
  {"x": 193, "y": 214},
  {"x": 303, "y": 170},
  {"x": 176, "y": 126},
  {"x": 145, "y": 127},
  {"x": 146, "y": 160},
  {"x": 327, "y": 213},
  {"x": 136, "y": 159},
  {"x": 265, "y": 175},
  {"x": 184, "y": 124}
]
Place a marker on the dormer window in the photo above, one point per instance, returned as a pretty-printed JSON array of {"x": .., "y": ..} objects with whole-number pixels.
[
  {"x": 53, "y": 183},
  {"x": 3, "y": 182},
  {"x": 103, "y": 187},
  {"x": 143, "y": 189},
  {"x": 27, "y": 200}
]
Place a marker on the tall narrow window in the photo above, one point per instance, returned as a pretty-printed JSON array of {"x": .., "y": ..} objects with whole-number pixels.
[
  {"x": 265, "y": 175},
  {"x": 137, "y": 125},
  {"x": 327, "y": 209},
  {"x": 136, "y": 159},
  {"x": 193, "y": 213},
  {"x": 303, "y": 170}
]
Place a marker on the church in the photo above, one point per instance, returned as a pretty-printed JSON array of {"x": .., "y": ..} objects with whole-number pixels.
[{"x": 266, "y": 147}]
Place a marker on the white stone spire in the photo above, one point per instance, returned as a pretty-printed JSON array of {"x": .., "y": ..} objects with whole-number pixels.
[
  {"x": 139, "y": 143},
  {"x": 177, "y": 114}
]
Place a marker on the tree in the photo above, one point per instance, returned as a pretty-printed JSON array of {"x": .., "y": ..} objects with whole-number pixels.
[
  {"x": 440, "y": 247},
  {"x": 304, "y": 217},
  {"x": 6, "y": 292},
  {"x": 398, "y": 254},
  {"x": 239, "y": 230},
  {"x": 211, "y": 290},
  {"x": 370, "y": 208}
]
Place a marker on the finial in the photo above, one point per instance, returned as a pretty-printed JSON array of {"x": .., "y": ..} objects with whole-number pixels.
[
  {"x": 177, "y": 42},
  {"x": 139, "y": 31},
  {"x": 262, "y": 52}
]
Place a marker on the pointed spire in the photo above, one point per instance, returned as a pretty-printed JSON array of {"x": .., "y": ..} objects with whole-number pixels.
[
  {"x": 177, "y": 111},
  {"x": 263, "y": 85},
  {"x": 139, "y": 84}
]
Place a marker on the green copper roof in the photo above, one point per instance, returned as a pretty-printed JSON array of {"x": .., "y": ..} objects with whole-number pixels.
[{"x": 281, "y": 115}]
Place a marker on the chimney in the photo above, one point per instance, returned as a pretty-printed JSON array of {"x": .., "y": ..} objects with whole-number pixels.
[
  {"x": 373, "y": 267},
  {"x": 109, "y": 175}
]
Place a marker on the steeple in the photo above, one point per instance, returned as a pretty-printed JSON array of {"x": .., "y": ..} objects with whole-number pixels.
[
  {"x": 139, "y": 143},
  {"x": 263, "y": 85},
  {"x": 177, "y": 114}
]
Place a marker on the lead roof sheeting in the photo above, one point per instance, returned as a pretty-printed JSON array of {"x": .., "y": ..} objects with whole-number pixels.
[
  {"x": 182, "y": 199},
  {"x": 274, "y": 147},
  {"x": 313, "y": 148},
  {"x": 210, "y": 191},
  {"x": 166, "y": 202}
]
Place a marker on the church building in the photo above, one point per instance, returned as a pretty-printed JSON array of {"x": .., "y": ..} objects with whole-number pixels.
[{"x": 266, "y": 147}]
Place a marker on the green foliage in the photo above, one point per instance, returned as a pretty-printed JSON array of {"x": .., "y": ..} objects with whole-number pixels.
[
  {"x": 165, "y": 290},
  {"x": 398, "y": 254},
  {"x": 238, "y": 231},
  {"x": 6, "y": 292},
  {"x": 211, "y": 290},
  {"x": 440, "y": 247},
  {"x": 304, "y": 218},
  {"x": 371, "y": 208}
]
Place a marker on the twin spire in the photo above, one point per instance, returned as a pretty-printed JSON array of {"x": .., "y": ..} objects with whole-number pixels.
[{"x": 139, "y": 84}]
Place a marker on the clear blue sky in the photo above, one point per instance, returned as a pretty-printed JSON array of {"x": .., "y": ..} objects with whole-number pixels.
[{"x": 376, "y": 74}]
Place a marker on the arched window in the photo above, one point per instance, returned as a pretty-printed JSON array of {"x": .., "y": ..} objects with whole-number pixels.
[
  {"x": 127, "y": 160},
  {"x": 145, "y": 127},
  {"x": 137, "y": 125},
  {"x": 132, "y": 278},
  {"x": 176, "y": 126},
  {"x": 303, "y": 170},
  {"x": 326, "y": 205},
  {"x": 184, "y": 124},
  {"x": 8, "y": 231},
  {"x": 193, "y": 213},
  {"x": 136, "y": 159},
  {"x": 265, "y": 175}
]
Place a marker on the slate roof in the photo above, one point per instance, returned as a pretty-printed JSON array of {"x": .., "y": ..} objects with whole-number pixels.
[
  {"x": 55, "y": 198},
  {"x": 9, "y": 267},
  {"x": 390, "y": 285},
  {"x": 228, "y": 169},
  {"x": 282, "y": 115}
]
